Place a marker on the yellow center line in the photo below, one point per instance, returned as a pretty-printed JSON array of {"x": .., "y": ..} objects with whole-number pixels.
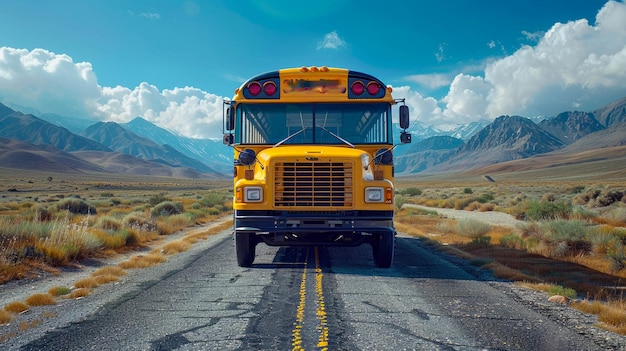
[
  {"x": 322, "y": 318},
  {"x": 296, "y": 340},
  {"x": 322, "y": 327}
]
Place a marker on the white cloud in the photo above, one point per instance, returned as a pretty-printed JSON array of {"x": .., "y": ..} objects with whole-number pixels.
[
  {"x": 53, "y": 83},
  {"x": 424, "y": 109},
  {"x": 331, "y": 41},
  {"x": 573, "y": 66},
  {"x": 188, "y": 111},
  {"x": 439, "y": 54},
  {"x": 150, "y": 15},
  {"x": 46, "y": 81},
  {"x": 532, "y": 36},
  {"x": 432, "y": 81}
]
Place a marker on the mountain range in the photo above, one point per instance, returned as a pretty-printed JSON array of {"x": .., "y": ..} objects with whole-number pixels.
[
  {"x": 26, "y": 141},
  {"x": 62, "y": 144},
  {"x": 576, "y": 136}
]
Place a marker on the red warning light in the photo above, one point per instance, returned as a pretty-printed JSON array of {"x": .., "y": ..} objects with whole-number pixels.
[
  {"x": 357, "y": 88},
  {"x": 254, "y": 88},
  {"x": 269, "y": 88},
  {"x": 373, "y": 88}
]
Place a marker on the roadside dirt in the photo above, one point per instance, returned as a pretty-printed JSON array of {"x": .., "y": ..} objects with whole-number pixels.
[
  {"x": 20, "y": 290},
  {"x": 491, "y": 217}
]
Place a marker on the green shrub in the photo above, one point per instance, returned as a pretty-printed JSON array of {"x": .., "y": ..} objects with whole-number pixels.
[
  {"x": 616, "y": 214},
  {"x": 167, "y": 208},
  {"x": 559, "y": 290},
  {"x": 42, "y": 213},
  {"x": 601, "y": 239},
  {"x": 76, "y": 205},
  {"x": 484, "y": 198},
  {"x": 617, "y": 256},
  {"x": 546, "y": 210},
  {"x": 472, "y": 228},
  {"x": 513, "y": 241},
  {"x": 410, "y": 192},
  {"x": 139, "y": 221},
  {"x": 157, "y": 199},
  {"x": 468, "y": 191},
  {"x": 460, "y": 204},
  {"x": 422, "y": 212},
  {"x": 400, "y": 201},
  {"x": 564, "y": 230},
  {"x": 127, "y": 235},
  {"x": 212, "y": 199},
  {"x": 109, "y": 223}
]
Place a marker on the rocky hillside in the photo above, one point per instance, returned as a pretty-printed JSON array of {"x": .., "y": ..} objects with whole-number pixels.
[{"x": 571, "y": 126}]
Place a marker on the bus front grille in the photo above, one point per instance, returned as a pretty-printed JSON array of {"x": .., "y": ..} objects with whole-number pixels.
[{"x": 311, "y": 184}]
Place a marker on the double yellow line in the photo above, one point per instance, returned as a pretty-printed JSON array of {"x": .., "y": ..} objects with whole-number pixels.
[{"x": 320, "y": 306}]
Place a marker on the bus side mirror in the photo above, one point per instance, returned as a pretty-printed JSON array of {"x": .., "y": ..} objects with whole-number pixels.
[
  {"x": 230, "y": 119},
  {"x": 404, "y": 116},
  {"x": 405, "y": 138},
  {"x": 229, "y": 139}
]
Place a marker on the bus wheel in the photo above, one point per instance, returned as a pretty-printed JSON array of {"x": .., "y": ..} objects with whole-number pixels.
[
  {"x": 245, "y": 246},
  {"x": 383, "y": 248}
]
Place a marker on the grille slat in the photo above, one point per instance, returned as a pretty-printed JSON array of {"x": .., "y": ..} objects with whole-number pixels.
[{"x": 309, "y": 184}]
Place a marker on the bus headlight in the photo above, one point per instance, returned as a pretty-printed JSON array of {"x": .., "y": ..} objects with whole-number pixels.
[
  {"x": 374, "y": 194},
  {"x": 252, "y": 194}
]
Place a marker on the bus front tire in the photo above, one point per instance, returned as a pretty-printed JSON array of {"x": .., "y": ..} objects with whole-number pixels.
[
  {"x": 383, "y": 249},
  {"x": 245, "y": 247}
]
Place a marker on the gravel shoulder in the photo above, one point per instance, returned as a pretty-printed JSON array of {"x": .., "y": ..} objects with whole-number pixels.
[
  {"x": 35, "y": 322},
  {"x": 19, "y": 290},
  {"x": 491, "y": 217},
  {"x": 582, "y": 323}
]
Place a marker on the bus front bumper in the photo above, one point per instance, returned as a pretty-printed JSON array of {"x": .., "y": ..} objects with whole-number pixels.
[{"x": 328, "y": 228}]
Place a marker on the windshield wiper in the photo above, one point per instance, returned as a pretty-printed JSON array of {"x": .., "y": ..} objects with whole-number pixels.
[
  {"x": 337, "y": 136},
  {"x": 289, "y": 137}
]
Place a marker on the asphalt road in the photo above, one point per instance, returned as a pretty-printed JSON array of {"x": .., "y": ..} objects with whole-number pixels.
[{"x": 304, "y": 299}]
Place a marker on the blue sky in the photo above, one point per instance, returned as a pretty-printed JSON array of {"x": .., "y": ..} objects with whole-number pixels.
[{"x": 172, "y": 62}]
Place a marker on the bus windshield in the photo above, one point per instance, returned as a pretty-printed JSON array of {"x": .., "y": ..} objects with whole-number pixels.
[{"x": 319, "y": 123}]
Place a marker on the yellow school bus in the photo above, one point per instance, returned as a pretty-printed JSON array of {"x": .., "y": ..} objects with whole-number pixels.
[{"x": 313, "y": 160}]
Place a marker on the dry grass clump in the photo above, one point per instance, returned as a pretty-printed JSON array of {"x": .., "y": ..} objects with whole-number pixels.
[
  {"x": 79, "y": 293},
  {"x": 59, "y": 291},
  {"x": 109, "y": 223},
  {"x": 40, "y": 300},
  {"x": 611, "y": 315},
  {"x": 167, "y": 208},
  {"x": 171, "y": 224},
  {"x": 139, "y": 221},
  {"x": 472, "y": 228},
  {"x": 16, "y": 307},
  {"x": 105, "y": 279},
  {"x": 503, "y": 272},
  {"x": 5, "y": 317},
  {"x": 110, "y": 270},
  {"x": 177, "y": 246},
  {"x": 143, "y": 261},
  {"x": 192, "y": 238},
  {"x": 87, "y": 283}
]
